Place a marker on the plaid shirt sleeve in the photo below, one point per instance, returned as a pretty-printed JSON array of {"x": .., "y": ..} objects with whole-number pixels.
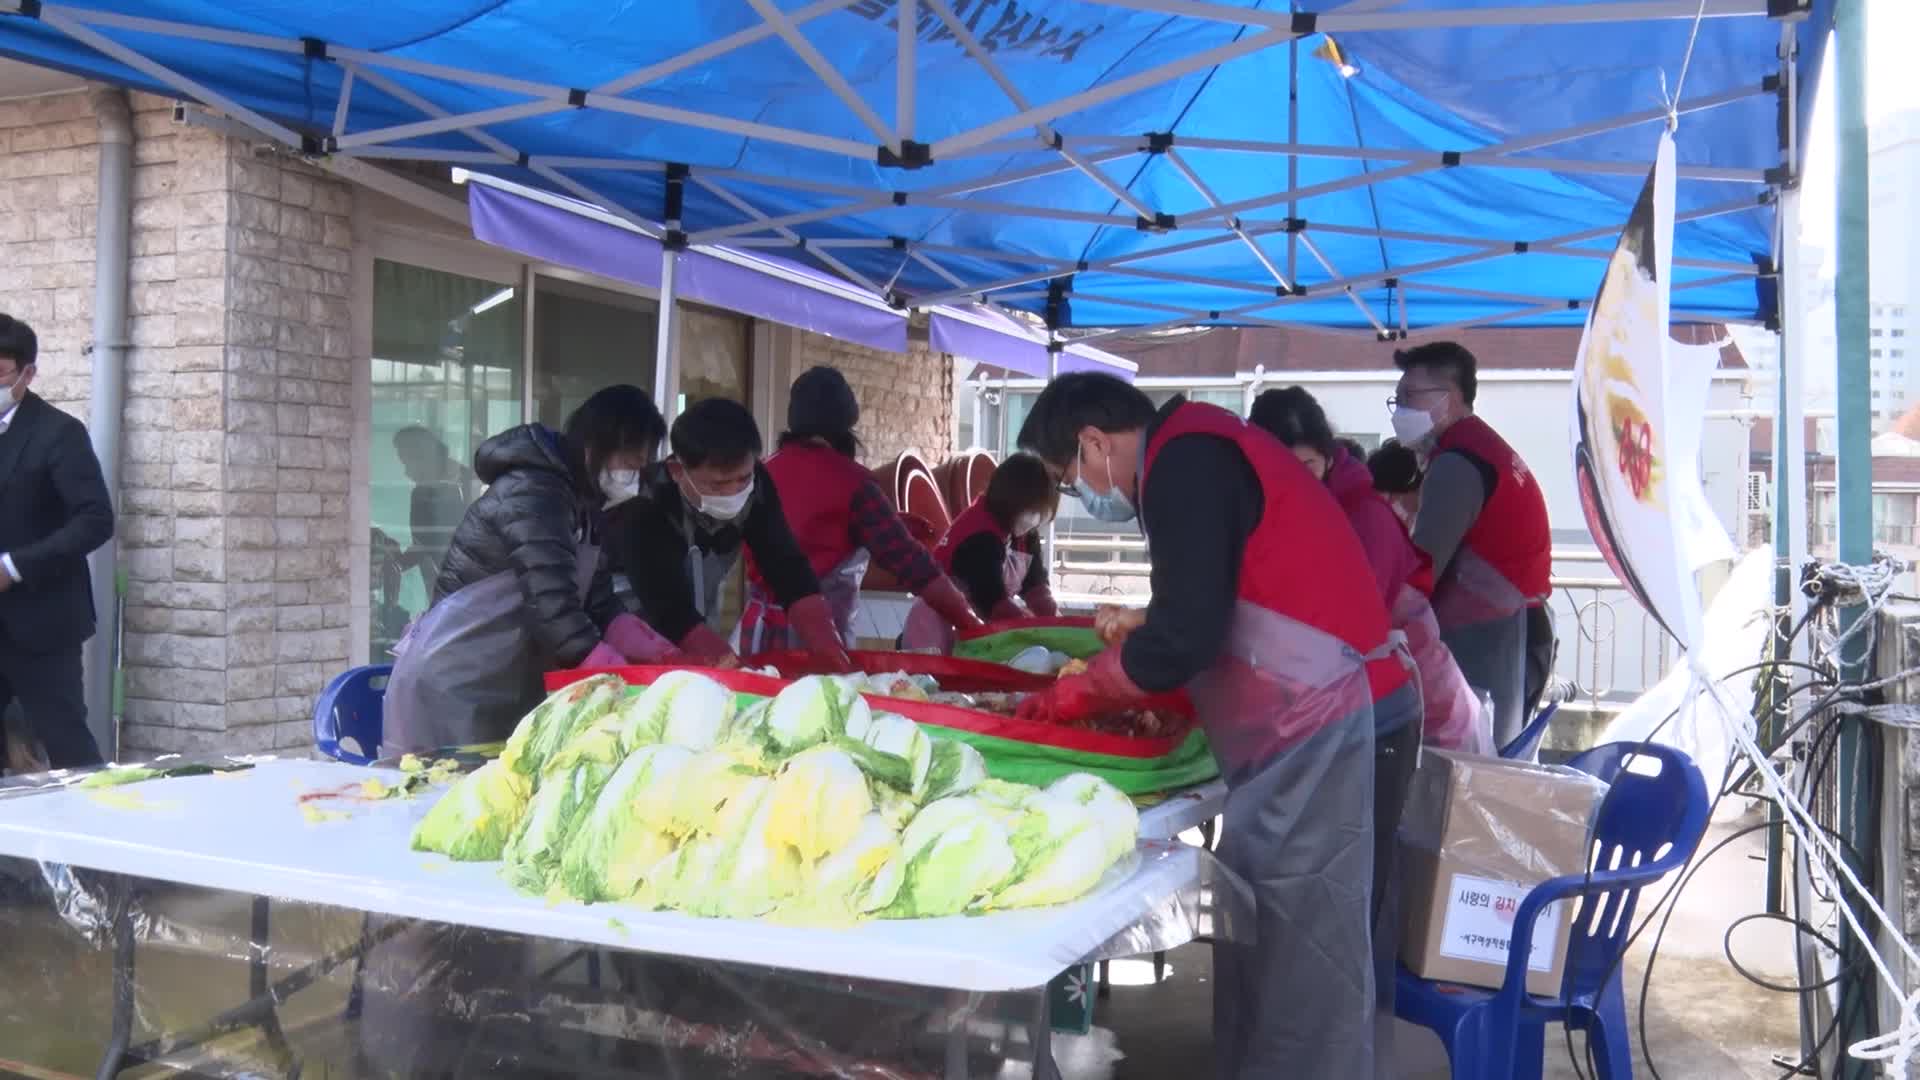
[{"x": 879, "y": 529}]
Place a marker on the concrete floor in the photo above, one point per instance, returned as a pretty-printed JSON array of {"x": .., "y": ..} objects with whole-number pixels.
[{"x": 1704, "y": 1020}]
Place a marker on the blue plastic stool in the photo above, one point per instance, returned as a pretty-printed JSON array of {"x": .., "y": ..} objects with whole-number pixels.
[
  {"x": 347, "y": 720},
  {"x": 1647, "y": 827},
  {"x": 1526, "y": 744}
]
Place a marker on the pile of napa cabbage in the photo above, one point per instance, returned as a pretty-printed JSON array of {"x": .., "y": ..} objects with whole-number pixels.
[{"x": 806, "y": 806}]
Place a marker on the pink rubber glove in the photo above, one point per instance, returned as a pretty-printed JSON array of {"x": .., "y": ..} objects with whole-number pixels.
[
  {"x": 638, "y": 642},
  {"x": 604, "y": 655}
]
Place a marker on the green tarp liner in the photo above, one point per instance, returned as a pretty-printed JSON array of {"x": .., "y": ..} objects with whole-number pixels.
[{"x": 1001, "y": 642}]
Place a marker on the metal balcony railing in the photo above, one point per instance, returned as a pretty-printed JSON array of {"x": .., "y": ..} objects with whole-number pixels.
[{"x": 1610, "y": 649}]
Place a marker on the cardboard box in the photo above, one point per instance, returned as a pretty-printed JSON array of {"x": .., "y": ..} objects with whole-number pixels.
[{"x": 1477, "y": 835}]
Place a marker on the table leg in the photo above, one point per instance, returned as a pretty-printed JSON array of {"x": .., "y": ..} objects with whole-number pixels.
[
  {"x": 112, "y": 1058},
  {"x": 959, "y": 1008},
  {"x": 1040, "y": 1036},
  {"x": 259, "y": 952}
]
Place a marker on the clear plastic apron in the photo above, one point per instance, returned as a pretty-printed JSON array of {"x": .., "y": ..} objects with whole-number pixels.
[
  {"x": 1472, "y": 591},
  {"x": 469, "y": 669},
  {"x": 840, "y": 587},
  {"x": 1277, "y": 682},
  {"x": 1453, "y": 716},
  {"x": 927, "y": 631}
]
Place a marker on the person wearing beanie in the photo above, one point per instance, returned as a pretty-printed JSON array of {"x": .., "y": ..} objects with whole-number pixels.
[{"x": 841, "y": 518}]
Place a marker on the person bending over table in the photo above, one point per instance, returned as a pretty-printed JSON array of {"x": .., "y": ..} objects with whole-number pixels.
[
  {"x": 993, "y": 550},
  {"x": 678, "y": 540}
]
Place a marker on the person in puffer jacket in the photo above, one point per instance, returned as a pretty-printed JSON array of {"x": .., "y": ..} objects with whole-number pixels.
[{"x": 523, "y": 589}]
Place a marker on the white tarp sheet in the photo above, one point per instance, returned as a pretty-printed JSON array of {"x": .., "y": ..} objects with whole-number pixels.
[{"x": 244, "y": 832}]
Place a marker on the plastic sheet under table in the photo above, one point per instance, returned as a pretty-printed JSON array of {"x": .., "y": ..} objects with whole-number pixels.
[{"x": 244, "y": 832}]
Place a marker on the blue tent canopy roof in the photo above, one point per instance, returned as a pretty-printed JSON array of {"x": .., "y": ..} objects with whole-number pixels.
[{"x": 1445, "y": 162}]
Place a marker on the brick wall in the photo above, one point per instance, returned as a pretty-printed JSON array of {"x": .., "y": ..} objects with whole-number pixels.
[
  {"x": 237, "y": 424},
  {"x": 906, "y": 402}
]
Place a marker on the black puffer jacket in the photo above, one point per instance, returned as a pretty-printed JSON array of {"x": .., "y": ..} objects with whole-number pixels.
[{"x": 529, "y": 521}]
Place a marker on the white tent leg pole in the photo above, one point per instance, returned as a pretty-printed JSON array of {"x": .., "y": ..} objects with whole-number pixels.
[{"x": 666, "y": 361}]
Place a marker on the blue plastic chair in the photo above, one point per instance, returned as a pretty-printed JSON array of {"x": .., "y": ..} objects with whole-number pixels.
[
  {"x": 1526, "y": 744},
  {"x": 347, "y": 720},
  {"x": 1647, "y": 827}
]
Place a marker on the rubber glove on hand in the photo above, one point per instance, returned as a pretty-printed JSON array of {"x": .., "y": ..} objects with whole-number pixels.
[
  {"x": 703, "y": 646},
  {"x": 638, "y": 642},
  {"x": 604, "y": 656},
  {"x": 1103, "y": 688},
  {"x": 1040, "y": 602},
  {"x": 1113, "y": 623},
  {"x": 948, "y": 602},
  {"x": 812, "y": 622}
]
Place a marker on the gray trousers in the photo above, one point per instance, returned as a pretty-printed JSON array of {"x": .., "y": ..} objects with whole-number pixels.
[
  {"x": 1493, "y": 657},
  {"x": 1298, "y": 999}
]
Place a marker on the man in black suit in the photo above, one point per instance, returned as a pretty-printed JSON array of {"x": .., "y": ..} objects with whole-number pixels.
[{"x": 54, "y": 510}]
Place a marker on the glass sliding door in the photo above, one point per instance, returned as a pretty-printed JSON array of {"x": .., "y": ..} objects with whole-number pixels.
[
  {"x": 584, "y": 339},
  {"x": 448, "y": 372}
]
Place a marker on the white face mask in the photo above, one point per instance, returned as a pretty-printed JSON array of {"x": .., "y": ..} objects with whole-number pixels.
[
  {"x": 1412, "y": 426},
  {"x": 1025, "y": 524},
  {"x": 619, "y": 485},
  {"x": 723, "y": 507}
]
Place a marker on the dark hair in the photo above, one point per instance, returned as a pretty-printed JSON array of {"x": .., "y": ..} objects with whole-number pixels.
[
  {"x": 615, "y": 418},
  {"x": 1081, "y": 399},
  {"x": 1395, "y": 469},
  {"x": 18, "y": 342},
  {"x": 1021, "y": 483},
  {"x": 1294, "y": 417},
  {"x": 1353, "y": 448},
  {"x": 716, "y": 431},
  {"x": 846, "y": 442},
  {"x": 1445, "y": 358},
  {"x": 420, "y": 438}
]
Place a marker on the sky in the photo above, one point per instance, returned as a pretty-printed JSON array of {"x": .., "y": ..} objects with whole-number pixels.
[{"x": 1892, "y": 27}]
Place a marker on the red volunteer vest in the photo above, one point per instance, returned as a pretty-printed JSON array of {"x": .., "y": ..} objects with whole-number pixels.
[
  {"x": 972, "y": 521},
  {"x": 1302, "y": 560},
  {"x": 816, "y": 486},
  {"x": 1511, "y": 534}
]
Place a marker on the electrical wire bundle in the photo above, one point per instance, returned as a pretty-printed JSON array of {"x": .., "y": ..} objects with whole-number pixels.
[{"x": 1817, "y": 726}]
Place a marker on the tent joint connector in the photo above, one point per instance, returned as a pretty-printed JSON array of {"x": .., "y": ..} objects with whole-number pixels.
[
  {"x": 896, "y": 300},
  {"x": 1387, "y": 335},
  {"x": 317, "y": 146},
  {"x": 577, "y": 98},
  {"x": 1213, "y": 316},
  {"x": 1159, "y": 223},
  {"x": 899, "y": 242},
  {"x": 313, "y": 47},
  {"x": 524, "y": 159},
  {"x": 1296, "y": 224},
  {"x": 1772, "y": 84},
  {"x": 1159, "y": 142},
  {"x": 1299, "y": 289},
  {"x": 899, "y": 198},
  {"x": 674, "y": 240},
  {"x": 1304, "y": 23},
  {"x": 1081, "y": 267},
  {"x": 915, "y": 155},
  {"x": 29, "y": 9},
  {"x": 1450, "y": 159},
  {"x": 1056, "y": 346},
  {"x": 1520, "y": 247},
  {"x": 1778, "y": 176},
  {"x": 1573, "y": 305},
  {"x": 1789, "y": 9},
  {"x": 1391, "y": 283}
]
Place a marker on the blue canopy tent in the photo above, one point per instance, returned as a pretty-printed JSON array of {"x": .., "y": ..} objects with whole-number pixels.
[{"x": 1376, "y": 166}]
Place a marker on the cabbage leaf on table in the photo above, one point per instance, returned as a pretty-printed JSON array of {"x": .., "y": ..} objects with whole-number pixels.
[
  {"x": 681, "y": 708},
  {"x": 819, "y": 798},
  {"x": 1060, "y": 851},
  {"x": 474, "y": 819},
  {"x": 809, "y": 712},
  {"x": 956, "y": 854},
  {"x": 623, "y": 836},
  {"x": 890, "y": 748},
  {"x": 738, "y": 870},
  {"x": 859, "y": 879}
]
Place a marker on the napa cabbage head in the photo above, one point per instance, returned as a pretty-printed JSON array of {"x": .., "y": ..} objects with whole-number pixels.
[
  {"x": 735, "y": 871},
  {"x": 1119, "y": 818},
  {"x": 552, "y": 724},
  {"x": 1060, "y": 852},
  {"x": 890, "y": 748},
  {"x": 819, "y": 798},
  {"x": 859, "y": 879},
  {"x": 620, "y": 839},
  {"x": 681, "y": 708},
  {"x": 702, "y": 786},
  {"x": 532, "y": 854},
  {"x": 956, "y": 854},
  {"x": 810, "y": 712},
  {"x": 955, "y": 769},
  {"x": 474, "y": 819}
]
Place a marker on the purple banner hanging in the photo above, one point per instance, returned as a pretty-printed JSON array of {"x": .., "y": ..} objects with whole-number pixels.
[
  {"x": 781, "y": 293},
  {"x": 1003, "y": 343}
]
